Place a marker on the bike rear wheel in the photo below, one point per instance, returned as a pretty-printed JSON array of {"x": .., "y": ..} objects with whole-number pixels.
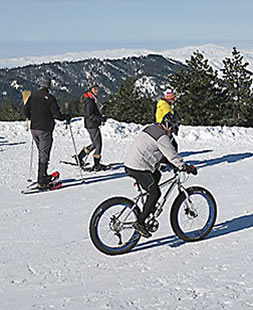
[
  {"x": 193, "y": 218},
  {"x": 111, "y": 226}
]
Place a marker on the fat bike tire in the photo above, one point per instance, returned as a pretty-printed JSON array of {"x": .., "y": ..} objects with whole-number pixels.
[
  {"x": 111, "y": 226},
  {"x": 192, "y": 219}
]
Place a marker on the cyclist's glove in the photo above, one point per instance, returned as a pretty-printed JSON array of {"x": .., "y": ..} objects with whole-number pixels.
[{"x": 190, "y": 169}]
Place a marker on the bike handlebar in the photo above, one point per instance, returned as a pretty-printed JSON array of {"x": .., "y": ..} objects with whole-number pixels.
[{"x": 188, "y": 169}]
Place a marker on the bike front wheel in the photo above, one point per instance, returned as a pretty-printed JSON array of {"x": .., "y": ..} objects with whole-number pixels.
[
  {"x": 193, "y": 217},
  {"x": 111, "y": 226}
]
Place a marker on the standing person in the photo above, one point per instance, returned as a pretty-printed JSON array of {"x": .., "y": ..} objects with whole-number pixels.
[
  {"x": 92, "y": 121},
  {"x": 142, "y": 163},
  {"x": 163, "y": 106},
  {"x": 42, "y": 108}
]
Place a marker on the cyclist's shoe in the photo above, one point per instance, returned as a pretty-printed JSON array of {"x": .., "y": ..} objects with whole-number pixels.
[{"x": 142, "y": 230}]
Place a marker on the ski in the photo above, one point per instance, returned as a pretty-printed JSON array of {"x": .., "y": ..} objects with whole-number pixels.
[
  {"x": 111, "y": 166},
  {"x": 72, "y": 163},
  {"x": 35, "y": 189},
  {"x": 87, "y": 168},
  {"x": 92, "y": 169}
]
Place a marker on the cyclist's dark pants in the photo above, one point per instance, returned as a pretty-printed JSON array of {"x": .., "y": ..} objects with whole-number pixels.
[{"x": 149, "y": 182}]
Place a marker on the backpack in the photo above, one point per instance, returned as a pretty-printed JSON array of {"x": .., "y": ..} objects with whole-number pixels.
[{"x": 162, "y": 108}]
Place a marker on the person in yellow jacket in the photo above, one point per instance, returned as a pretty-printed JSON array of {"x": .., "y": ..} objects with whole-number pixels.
[{"x": 165, "y": 106}]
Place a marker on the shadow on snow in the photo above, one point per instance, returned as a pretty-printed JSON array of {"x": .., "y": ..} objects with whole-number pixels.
[
  {"x": 189, "y": 153},
  {"x": 92, "y": 179},
  {"x": 219, "y": 230},
  {"x": 96, "y": 178},
  {"x": 89, "y": 179},
  {"x": 230, "y": 158},
  {"x": 4, "y": 142}
]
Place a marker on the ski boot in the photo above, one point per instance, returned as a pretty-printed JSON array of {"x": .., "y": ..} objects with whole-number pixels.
[
  {"x": 79, "y": 161},
  {"x": 97, "y": 165}
]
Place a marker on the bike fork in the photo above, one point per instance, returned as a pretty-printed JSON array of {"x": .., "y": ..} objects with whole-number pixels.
[{"x": 188, "y": 201}]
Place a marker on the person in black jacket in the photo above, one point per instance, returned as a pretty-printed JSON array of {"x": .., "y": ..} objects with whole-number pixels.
[
  {"x": 92, "y": 121},
  {"x": 42, "y": 108}
]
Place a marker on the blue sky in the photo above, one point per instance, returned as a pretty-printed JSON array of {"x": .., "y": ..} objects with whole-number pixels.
[{"x": 37, "y": 27}]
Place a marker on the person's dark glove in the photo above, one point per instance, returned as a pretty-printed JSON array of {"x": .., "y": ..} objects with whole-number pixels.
[
  {"x": 167, "y": 167},
  {"x": 164, "y": 161},
  {"x": 190, "y": 169},
  {"x": 164, "y": 168},
  {"x": 103, "y": 119},
  {"x": 68, "y": 118}
]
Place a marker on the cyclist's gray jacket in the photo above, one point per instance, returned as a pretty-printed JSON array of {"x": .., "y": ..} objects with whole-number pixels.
[{"x": 149, "y": 148}]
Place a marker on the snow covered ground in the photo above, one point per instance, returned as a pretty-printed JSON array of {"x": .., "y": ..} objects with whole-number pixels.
[{"x": 48, "y": 262}]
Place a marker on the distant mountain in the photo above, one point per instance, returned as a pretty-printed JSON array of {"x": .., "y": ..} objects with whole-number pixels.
[
  {"x": 70, "y": 79},
  {"x": 214, "y": 53},
  {"x": 72, "y": 71}
]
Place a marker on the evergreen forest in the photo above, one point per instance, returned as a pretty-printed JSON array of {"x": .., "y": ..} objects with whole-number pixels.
[{"x": 204, "y": 96}]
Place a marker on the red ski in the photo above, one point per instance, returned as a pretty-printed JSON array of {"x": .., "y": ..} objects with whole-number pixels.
[
  {"x": 53, "y": 177},
  {"x": 35, "y": 189}
]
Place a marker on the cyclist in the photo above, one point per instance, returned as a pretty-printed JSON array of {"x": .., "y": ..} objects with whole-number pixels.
[{"x": 142, "y": 163}]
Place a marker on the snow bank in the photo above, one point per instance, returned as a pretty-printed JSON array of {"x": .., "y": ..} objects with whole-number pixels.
[
  {"x": 119, "y": 130},
  {"x": 217, "y": 134}
]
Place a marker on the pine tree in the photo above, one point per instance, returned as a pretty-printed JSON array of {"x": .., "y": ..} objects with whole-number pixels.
[
  {"x": 237, "y": 80},
  {"x": 199, "y": 96},
  {"x": 73, "y": 108},
  {"x": 129, "y": 104},
  {"x": 11, "y": 112}
]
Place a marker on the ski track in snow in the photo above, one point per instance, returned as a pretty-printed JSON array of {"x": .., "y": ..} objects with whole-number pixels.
[{"x": 48, "y": 262}]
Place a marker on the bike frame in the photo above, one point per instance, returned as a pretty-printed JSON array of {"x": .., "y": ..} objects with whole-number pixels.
[{"x": 173, "y": 182}]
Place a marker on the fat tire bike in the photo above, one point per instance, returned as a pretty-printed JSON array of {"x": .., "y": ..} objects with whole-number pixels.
[{"x": 192, "y": 216}]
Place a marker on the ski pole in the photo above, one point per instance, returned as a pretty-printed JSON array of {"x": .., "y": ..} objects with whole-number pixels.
[
  {"x": 31, "y": 162},
  {"x": 79, "y": 164}
]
